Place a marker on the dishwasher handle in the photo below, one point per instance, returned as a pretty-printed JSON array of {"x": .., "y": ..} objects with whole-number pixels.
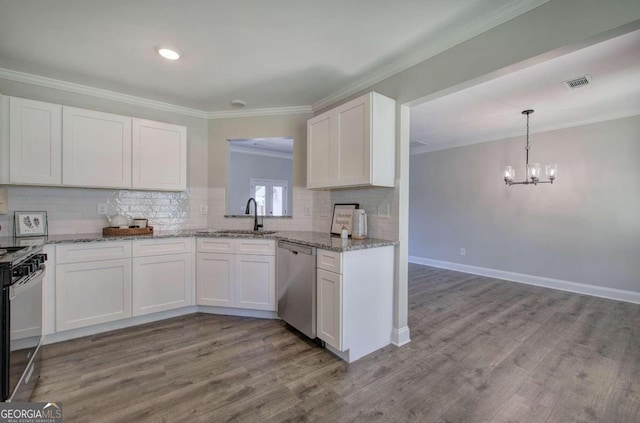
[{"x": 297, "y": 248}]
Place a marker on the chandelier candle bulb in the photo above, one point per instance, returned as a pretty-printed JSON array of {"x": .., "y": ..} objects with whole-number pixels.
[
  {"x": 509, "y": 173},
  {"x": 552, "y": 171},
  {"x": 534, "y": 171}
]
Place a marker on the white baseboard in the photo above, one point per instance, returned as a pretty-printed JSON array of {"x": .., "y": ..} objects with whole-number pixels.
[
  {"x": 580, "y": 288},
  {"x": 139, "y": 320},
  {"x": 400, "y": 337},
  {"x": 241, "y": 312}
]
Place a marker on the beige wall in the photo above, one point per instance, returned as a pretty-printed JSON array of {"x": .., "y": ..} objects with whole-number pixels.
[
  {"x": 584, "y": 228},
  {"x": 221, "y": 130}
]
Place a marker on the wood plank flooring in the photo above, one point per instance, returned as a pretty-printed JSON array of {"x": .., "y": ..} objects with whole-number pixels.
[{"x": 482, "y": 350}]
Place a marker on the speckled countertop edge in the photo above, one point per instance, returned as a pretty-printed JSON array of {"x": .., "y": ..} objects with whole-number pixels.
[{"x": 313, "y": 239}]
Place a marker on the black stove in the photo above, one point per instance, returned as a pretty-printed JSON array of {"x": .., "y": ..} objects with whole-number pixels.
[{"x": 21, "y": 274}]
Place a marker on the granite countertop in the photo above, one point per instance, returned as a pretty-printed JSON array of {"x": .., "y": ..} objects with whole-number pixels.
[{"x": 314, "y": 239}]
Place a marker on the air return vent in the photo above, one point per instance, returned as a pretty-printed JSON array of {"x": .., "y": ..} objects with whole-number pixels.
[{"x": 579, "y": 82}]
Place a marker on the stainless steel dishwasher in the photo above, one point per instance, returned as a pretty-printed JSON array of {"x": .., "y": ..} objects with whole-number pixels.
[{"x": 296, "y": 273}]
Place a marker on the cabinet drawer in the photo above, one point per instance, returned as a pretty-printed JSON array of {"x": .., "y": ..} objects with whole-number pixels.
[
  {"x": 156, "y": 247},
  {"x": 262, "y": 247},
  {"x": 215, "y": 245},
  {"x": 92, "y": 251},
  {"x": 329, "y": 260}
]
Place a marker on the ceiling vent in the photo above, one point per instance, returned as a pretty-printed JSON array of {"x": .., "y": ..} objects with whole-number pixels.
[{"x": 579, "y": 82}]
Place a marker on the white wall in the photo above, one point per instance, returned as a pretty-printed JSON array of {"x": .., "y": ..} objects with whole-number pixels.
[
  {"x": 585, "y": 228},
  {"x": 73, "y": 210}
]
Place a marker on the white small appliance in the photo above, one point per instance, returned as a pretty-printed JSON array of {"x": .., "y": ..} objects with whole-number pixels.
[{"x": 359, "y": 230}]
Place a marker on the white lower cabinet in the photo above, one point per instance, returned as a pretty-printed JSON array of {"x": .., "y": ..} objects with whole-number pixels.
[
  {"x": 215, "y": 279},
  {"x": 329, "y": 308},
  {"x": 161, "y": 283},
  {"x": 355, "y": 300},
  {"x": 100, "y": 282},
  {"x": 162, "y": 278},
  {"x": 255, "y": 282},
  {"x": 228, "y": 279},
  {"x": 92, "y": 292}
]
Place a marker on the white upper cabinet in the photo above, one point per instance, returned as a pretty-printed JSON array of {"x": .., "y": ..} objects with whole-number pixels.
[
  {"x": 96, "y": 149},
  {"x": 159, "y": 156},
  {"x": 353, "y": 144},
  {"x": 56, "y": 145},
  {"x": 35, "y": 149},
  {"x": 319, "y": 151}
]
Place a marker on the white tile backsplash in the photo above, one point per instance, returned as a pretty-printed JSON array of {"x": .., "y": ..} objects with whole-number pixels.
[
  {"x": 369, "y": 200},
  {"x": 74, "y": 210}
]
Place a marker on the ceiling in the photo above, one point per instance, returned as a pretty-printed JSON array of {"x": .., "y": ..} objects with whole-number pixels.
[
  {"x": 277, "y": 54},
  {"x": 492, "y": 110}
]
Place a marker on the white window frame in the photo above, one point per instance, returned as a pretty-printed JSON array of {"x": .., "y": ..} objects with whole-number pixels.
[{"x": 270, "y": 183}]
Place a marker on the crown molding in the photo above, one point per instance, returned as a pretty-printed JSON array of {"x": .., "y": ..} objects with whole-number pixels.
[
  {"x": 98, "y": 92},
  {"x": 274, "y": 111},
  {"x": 423, "y": 149},
  {"x": 435, "y": 46},
  {"x": 57, "y": 84}
]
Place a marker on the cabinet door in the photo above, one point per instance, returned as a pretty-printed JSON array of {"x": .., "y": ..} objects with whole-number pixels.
[
  {"x": 255, "y": 282},
  {"x": 161, "y": 283},
  {"x": 319, "y": 150},
  {"x": 96, "y": 149},
  {"x": 353, "y": 165},
  {"x": 93, "y": 292},
  {"x": 35, "y": 146},
  {"x": 159, "y": 155},
  {"x": 215, "y": 279},
  {"x": 330, "y": 308}
]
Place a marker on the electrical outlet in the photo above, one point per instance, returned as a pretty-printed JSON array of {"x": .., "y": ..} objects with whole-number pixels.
[
  {"x": 463, "y": 252},
  {"x": 324, "y": 211},
  {"x": 103, "y": 209},
  {"x": 384, "y": 211},
  {"x": 308, "y": 209},
  {"x": 204, "y": 209}
]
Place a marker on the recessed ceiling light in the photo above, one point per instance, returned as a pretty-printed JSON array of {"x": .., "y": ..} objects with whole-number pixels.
[
  {"x": 170, "y": 53},
  {"x": 238, "y": 103}
]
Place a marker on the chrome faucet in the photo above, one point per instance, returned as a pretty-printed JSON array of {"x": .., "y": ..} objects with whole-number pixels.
[{"x": 256, "y": 226}]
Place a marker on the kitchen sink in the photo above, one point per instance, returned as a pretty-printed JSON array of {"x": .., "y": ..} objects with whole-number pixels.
[
  {"x": 243, "y": 232},
  {"x": 247, "y": 232}
]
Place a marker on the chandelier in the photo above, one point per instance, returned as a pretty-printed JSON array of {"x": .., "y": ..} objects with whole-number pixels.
[{"x": 533, "y": 169}]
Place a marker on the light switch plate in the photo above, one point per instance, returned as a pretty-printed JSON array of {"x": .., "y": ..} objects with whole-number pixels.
[
  {"x": 308, "y": 209},
  {"x": 4, "y": 201},
  {"x": 103, "y": 209},
  {"x": 384, "y": 211}
]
